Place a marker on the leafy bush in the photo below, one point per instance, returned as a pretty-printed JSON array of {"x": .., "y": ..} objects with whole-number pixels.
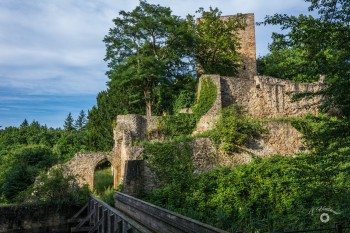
[
  {"x": 59, "y": 188},
  {"x": 103, "y": 182},
  {"x": 19, "y": 167},
  {"x": 171, "y": 161},
  {"x": 107, "y": 195},
  {"x": 235, "y": 129},
  {"x": 103, "y": 179},
  {"x": 177, "y": 125},
  {"x": 184, "y": 100},
  {"x": 266, "y": 195}
]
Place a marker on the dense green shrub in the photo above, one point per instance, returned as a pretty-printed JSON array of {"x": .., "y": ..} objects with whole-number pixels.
[
  {"x": 267, "y": 195},
  {"x": 184, "y": 100},
  {"x": 177, "y": 125},
  {"x": 103, "y": 182},
  {"x": 235, "y": 129},
  {"x": 19, "y": 167},
  {"x": 27, "y": 150},
  {"x": 171, "y": 160},
  {"x": 107, "y": 195},
  {"x": 57, "y": 187}
]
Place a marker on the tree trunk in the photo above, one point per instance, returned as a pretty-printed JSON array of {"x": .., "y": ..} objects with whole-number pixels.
[
  {"x": 148, "y": 110},
  {"x": 148, "y": 99}
]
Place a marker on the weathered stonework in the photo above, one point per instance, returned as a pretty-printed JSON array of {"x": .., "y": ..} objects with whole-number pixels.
[
  {"x": 205, "y": 155},
  {"x": 83, "y": 165},
  {"x": 261, "y": 97},
  {"x": 281, "y": 138},
  {"x": 248, "y": 47},
  {"x": 128, "y": 129}
]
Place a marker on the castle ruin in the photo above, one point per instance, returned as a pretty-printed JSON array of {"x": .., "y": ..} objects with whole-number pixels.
[{"x": 260, "y": 96}]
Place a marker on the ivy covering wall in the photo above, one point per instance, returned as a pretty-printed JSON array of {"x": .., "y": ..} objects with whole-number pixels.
[{"x": 181, "y": 124}]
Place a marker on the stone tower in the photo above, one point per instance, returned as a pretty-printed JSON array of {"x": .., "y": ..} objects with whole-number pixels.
[{"x": 248, "y": 46}]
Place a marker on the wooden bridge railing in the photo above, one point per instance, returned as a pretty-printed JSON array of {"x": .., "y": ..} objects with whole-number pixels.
[
  {"x": 97, "y": 216},
  {"x": 133, "y": 215}
]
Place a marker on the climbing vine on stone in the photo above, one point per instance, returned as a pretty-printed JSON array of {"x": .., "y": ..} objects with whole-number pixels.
[
  {"x": 206, "y": 98},
  {"x": 234, "y": 130},
  {"x": 182, "y": 123},
  {"x": 171, "y": 161}
]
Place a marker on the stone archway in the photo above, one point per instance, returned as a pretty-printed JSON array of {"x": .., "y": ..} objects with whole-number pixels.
[
  {"x": 103, "y": 176},
  {"x": 83, "y": 165}
]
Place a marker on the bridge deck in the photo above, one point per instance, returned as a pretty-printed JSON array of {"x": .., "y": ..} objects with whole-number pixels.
[{"x": 133, "y": 215}]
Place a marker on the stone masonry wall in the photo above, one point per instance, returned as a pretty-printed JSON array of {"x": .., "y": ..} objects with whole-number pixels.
[
  {"x": 281, "y": 138},
  {"x": 272, "y": 98},
  {"x": 247, "y": 46},
  {"x": 261, "y": 97},
  {"x": 83, "y": 165},
  {"x": 267, "y": 97},
  {"x": 128, "y": 129}
]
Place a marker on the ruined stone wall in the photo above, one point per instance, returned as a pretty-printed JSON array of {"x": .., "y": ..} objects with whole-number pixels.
[
  {"x": 83, "y": 165},
  {"x": 35, "y": 219},
  {"x": 261, "y": 97},
  {"x": 277, "y": 96},
  {"x": 137, "y": 125},
  {"x": 131, "y": 128},
  {"x": 281, "y": 138},
  {"x": 128, "y": 128}
]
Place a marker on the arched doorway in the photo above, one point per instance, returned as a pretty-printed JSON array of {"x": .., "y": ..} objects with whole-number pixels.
[{"x": 104, "y": 181}]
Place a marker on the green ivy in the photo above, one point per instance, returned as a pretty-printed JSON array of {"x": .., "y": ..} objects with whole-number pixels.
[
  {"x": 171, "y": 160},
  {"x": 182, "y": 123},
  {"x": 177, "y": 125},
  {"x": 235, "y": 129},
  {"x": 184, "y": 100},
  {"x": 205, "y": 99}
]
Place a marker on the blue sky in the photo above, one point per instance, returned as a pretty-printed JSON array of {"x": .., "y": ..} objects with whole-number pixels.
[{"x": 51, "y": 51}]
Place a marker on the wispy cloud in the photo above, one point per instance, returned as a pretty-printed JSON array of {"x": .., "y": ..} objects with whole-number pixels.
[{"x": 52, "y": 47}]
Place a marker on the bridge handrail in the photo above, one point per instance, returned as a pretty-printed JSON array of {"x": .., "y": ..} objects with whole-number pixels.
[
  {"x": 131, "y": 221},
  {"x": 178, "y": 221}
]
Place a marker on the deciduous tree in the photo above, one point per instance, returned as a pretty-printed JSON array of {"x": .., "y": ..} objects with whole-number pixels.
[
  {"x": 217, "y": 43},
  {"x": 148, "y": 49},
  {"x": 318, "y": 44}
]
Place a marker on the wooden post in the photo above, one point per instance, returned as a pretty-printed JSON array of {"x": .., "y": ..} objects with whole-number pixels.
[
  {"x": 338, "y": 228},
  {"x": 105, "y": 221},
  {"x": 100, "y": 216},
  {"x": 111, "y": 223}
]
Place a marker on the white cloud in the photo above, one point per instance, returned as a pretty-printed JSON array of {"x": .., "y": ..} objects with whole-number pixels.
[{"x": 53, "y": 47}]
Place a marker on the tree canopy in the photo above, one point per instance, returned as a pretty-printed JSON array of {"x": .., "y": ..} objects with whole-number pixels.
[
  {"x": 217, "y": 42},
  {"x": 156, "y": 53},
  {"x": 148, "y": 49},
  {"x": 313, "y": 46},
  {"x": 152, "y": 58}
]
